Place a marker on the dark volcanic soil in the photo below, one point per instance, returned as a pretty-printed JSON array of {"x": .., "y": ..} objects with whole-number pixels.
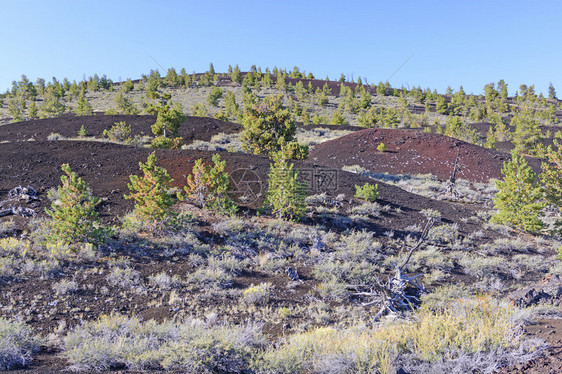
[
  {"x": 193, "y": 128},
  {"x": 412, "y": 152}
]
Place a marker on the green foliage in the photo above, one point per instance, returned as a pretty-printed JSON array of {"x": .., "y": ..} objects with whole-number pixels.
[
  {"x": 236, "y": 76},
  {"x": 338, "y": 119},
  {"x": 209, "y": 186},
  {"x": 124, "y": 105},
  {"x": 161, "y": 142},
  {"x": 153, "y": 82},
  {"x": 267, "y": 127},
  {"x": 150, "y": 193},
  {"x": 381, "y": 147},
  {"x": 16, "y": 107},
  {"x": 528, "y": 136},
  {"x": 82, "y": 132},
  {"x": 441, "y": 105},
  {"x": 83, "y": 107},
  {"x": 367, "y": 192},
  {"x": 52, "y": 105},
  {"x": 172, "y": 79},
  {"x": 127, "y": 86},
  {"x": 214, "y": 96},
  {"x": 518, "y": 198},
  {"x": 456, "y": 128},
  {"x": 119, "y": 132},
  {"x": 231, "y": 107},
  {"x": 32, "y": 110},
  {"x": 551, "y": 178},
  {"x": 73, "y": 212},
  {"x": 285, "y": 196},
  {"x": 168, "y": 118},
  {"x": 551, "y": 92}
]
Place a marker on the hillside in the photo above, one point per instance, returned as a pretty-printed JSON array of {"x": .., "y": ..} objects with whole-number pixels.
[{"x": 202, "y": 291}]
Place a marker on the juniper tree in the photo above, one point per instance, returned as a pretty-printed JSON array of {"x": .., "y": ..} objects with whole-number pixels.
[
  {"x": 518, "y": 199},
  {"x": 268, "y": 127}
]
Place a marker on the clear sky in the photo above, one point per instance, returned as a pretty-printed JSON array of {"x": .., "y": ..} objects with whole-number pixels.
[{"x": 448, "y": 42}]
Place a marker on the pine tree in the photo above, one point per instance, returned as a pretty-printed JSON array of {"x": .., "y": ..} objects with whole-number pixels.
[
  {"x": 285, "y": 196},
  {"x": 209, "y": 186},
  {"x": 551, "y": 178},
  {"x": 168, "y": 121},
  {"x": 150, "y": 193},
  {"x": 83, "y": 108},
  {"x": 73, "y": 215},
  {"x": 528, "y": 135},
  {"x": 519, "y": 196},
  {"x": 551, "y": 92},
  {"x": 236, "y": 76}
]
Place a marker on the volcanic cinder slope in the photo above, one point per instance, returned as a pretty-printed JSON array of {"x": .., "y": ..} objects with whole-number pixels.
[{"x": 413, "y": 152}]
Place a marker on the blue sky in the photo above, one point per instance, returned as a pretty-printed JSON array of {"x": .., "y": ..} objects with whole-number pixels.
[{"x": 469, "y": 43}]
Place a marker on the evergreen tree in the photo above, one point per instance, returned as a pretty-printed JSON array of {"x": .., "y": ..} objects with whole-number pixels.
[
  {"x": 124, "y": 105},
  {"x": 285, "y": 196},
  {"x": 518, "y": 200},
  {"x": 551, "y": 178},
  {"x": 209, "y": 186},
  {"x": 267, "y": 126},
  {"x": 214, "y": 96},
  {"x": 551, "y": 92},
  {"x": 236, "y": 76},
  {"x": 73, "y": 215},
  {"x": 172, "y": 79},
  {"x": 528, "y": 136},
  {"x": 168, "y": 118},
  {"x": 150, "y": 193}
]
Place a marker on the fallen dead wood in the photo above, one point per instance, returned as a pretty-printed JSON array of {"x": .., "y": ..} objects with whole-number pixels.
[{"x": 400, "y": 292}]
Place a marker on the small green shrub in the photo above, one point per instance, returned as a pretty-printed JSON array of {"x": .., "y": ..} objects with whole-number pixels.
[
  {"x": 381, "y": 147},
  {"x": 82, "y": 132},
  {"x": 161, "y": 142},
  {"x": 367, "y": 192},
  {"x": 257, "y": 294},
  {"x": 119, "y": 132}
]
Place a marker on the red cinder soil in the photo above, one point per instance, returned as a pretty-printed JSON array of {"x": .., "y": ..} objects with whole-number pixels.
[
  {"x": 413, "y": 152},
  {"x": 106, "y": 167}
]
